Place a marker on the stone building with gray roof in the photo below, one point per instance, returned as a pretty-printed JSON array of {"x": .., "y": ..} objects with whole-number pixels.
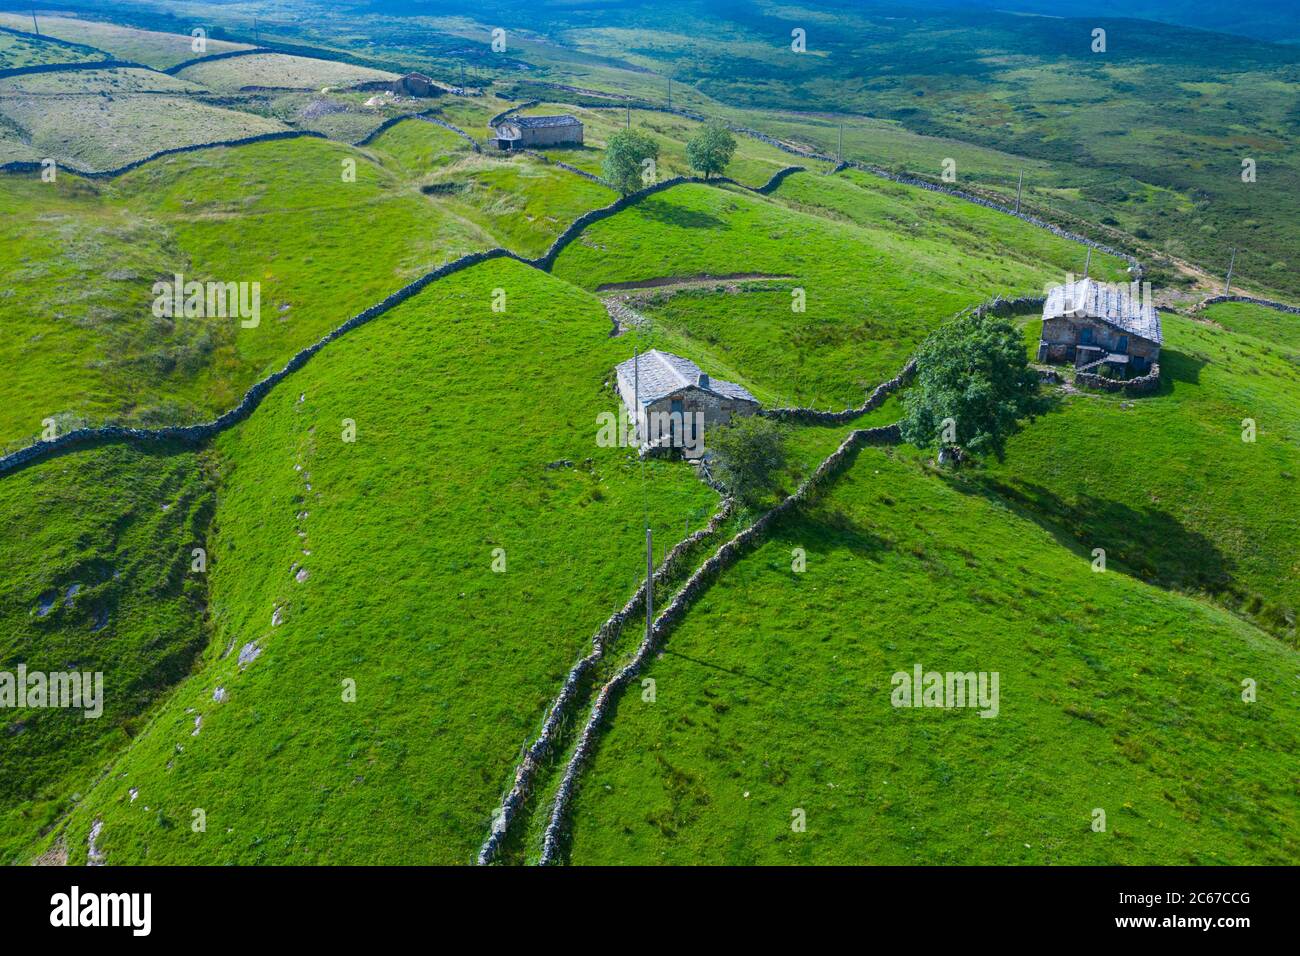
[
  {"x": 1101, "y": 327},
  {"x": 672, "y": 401},
  {"x": 529, "y": 132}
]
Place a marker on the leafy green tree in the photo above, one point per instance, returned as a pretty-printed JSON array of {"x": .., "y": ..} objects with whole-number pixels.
[
  {"x": 973, "y": 384},
  {"x": 710, "y": 150},
  {"x": 625, "y": 156},
  {"x": 747, "y": 455}
]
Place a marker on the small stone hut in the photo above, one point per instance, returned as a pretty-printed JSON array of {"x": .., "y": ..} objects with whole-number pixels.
[
  {"x": 670, "y": 399},
  {"x": 416, "y": 84},
  {"x": 529, "y": 132},
  {"x": 1100, "y": 326}
]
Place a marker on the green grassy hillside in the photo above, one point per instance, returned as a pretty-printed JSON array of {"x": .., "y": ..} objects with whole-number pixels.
[
  {"x": 458, "y": 411},
  {"x": 880, "y": 265},
  {"x": 1166, "y": 485},
  {"x": 775, "y": 696},
  {"x": 102, "y": 582},
  {"x": 79, "y": 333}
]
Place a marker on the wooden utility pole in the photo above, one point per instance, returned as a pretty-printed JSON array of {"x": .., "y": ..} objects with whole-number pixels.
[
  {"x": 462, "y": 76},
  {"x": 649, "y": 582},
  {"x": 34, "y": 26},
  {"x": 629, "y": 116},
  {"x": 1019, "y": 183},
  {"x": 839, "y": 150},
  {"x": 670, "y": 92},
  {"x": 1227, "y": 283},
  {"x": 1087, "y": 263}
]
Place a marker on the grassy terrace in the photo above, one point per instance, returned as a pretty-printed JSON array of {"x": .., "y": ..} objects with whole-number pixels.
[
  {"x": 458, "y": 411},
  {"x": 774, "y": 695}
]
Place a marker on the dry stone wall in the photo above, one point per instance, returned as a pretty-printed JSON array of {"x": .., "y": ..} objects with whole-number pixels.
[
  {"x": 698, "y": 582},
  {"x": 1249, "y": 299},
  {"x": 526, "y": 772},
  {"x": 25, "y": 167}
]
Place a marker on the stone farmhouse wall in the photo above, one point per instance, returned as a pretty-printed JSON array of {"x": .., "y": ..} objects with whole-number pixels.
[{"x": 1142, "y": 385}]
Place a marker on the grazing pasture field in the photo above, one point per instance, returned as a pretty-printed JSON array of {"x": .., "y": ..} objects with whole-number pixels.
[
  {"x": 101, "y": 583},
  {"x": 148, "y": 47},
  {"x": 22, "y": 50},
  {"x": 753, "y": 164},
  {"x": 873, "y": 288},
  {"x": 774, "y": 696},
  {"x": 372, "y": 562},
  {"x": 99, "y": 132},
  {"x": 1166, "y": 484},
  {"x": 280, "y": 71},
  {"x": 523, "y": 203},
  {"x": 77, "y": 290}
]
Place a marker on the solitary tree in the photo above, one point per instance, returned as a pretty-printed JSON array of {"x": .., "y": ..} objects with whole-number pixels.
[
  {"x": 710, "y": 150},
  {"x": 747, "y": 456},
  {"x": 625, "y": 156},
  {"x": 973, "y": 383}
]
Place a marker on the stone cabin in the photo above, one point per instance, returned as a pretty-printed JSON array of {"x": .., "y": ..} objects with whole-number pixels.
[
  {"x": 416, "y": 84},
  {"x": 530, "y": 132},
  {"x": 1100, "y": 327},
  {"x": 669, "y": 398}
]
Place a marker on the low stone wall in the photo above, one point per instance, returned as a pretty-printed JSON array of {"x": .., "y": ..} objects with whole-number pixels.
[
  {"x": 698, "y": 582},
  {"x": 526, "y": 772},
  {"x": 1142, "y": 385},
  {"x": 212, "y": 58},
  {"x": 25, "y": 167},
  {"x": 252, "y": 398},
  {"x": 873, "y": 401},
  {"x": 778, "y": 178},
  {"x": 543, "y": 158},
  {"x": 428, "y": 116},
  {"x": 527, "y": 104},
  {"x": 1249, "y": 299},
  {"x": 73, "y": 67}
]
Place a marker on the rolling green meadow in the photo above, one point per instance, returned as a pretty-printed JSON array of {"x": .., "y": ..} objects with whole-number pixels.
[{"x": 413, "y": 537}]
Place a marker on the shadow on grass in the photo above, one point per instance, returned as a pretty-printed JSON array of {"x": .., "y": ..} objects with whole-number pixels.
[
  {"x": 1178, "y": 367},
  {"x": 673, "y": 215},
  {"x": 1149, "y": 543}
]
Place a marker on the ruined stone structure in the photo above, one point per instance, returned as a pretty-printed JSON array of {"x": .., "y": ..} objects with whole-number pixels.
[
  {"x": 1101, "y": 328},
  {"x": 416, "y": 84}
]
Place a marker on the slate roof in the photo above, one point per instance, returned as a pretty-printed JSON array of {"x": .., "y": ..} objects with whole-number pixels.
[
  {"x": 662, "y": 374},
  {"x": 1113, "y": 304},
  {"x": 543, "y": 122}
]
